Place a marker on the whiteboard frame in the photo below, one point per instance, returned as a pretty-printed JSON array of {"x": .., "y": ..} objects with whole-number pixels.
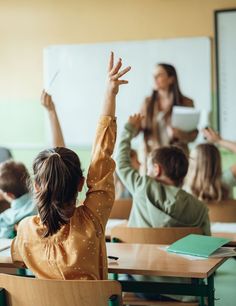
[{"x": 217, "y": 61}]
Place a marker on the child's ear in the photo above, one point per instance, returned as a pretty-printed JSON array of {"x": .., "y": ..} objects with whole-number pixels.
[
  {"x": 81, "y": 184},
  {"x": 157, "y": 170},
  {"x": 36, "y": 187}
]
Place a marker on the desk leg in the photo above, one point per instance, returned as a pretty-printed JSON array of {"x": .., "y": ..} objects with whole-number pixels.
[
  {"x": 21, "y": 272},
  {"x": 211, "y": 290},
  {"x": 202, "y": 298},
  {"x": 198, "y": 282},
  {"x": 114, "y": 301}
]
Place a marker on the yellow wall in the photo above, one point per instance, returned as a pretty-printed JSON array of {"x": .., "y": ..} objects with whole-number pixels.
[{"x": 26, "y": 27}]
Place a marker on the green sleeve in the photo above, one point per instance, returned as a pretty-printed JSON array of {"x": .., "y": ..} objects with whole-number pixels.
[{"x": 128, "y": 175}]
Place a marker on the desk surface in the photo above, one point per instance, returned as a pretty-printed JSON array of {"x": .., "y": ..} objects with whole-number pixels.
[{"x": 150, "y": 259}]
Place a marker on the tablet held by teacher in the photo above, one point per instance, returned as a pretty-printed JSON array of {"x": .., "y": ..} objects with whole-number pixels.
[{"x": 157, "y": 110}]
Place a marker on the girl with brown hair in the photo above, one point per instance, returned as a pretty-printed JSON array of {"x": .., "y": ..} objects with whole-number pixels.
[
  {"x": 205, "y": 178},
  {"x": 65, "y": 241},
  {"x": 157, "y": 109}
]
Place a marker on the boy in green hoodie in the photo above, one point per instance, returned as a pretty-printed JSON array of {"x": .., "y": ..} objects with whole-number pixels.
[{"x": 158, "y": 200}]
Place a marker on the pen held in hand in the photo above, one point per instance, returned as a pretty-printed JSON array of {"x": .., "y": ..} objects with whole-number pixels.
[{"x": 53, "y": 79}]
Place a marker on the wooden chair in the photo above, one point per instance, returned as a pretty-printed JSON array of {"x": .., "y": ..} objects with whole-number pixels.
[
  {"x": 24, "y": 291},
  {"x": 165, "y": 235},
  {"x": 223, "y": 211},
  {"x": 160, "y": 235},
  {"x": 121, "y": 209}
]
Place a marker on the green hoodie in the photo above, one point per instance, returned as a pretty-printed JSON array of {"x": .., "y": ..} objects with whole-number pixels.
[{"x": 156, "y": 204}]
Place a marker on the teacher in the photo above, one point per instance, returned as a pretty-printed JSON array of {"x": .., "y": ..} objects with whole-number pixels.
[{"x": 157, "y": 110}]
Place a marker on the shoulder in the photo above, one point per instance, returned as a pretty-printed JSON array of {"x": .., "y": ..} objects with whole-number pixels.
[
  {"x": 192, "y": 200},
  {"x": 187, "y": 102},
  {"x": 28, "y": 222}
]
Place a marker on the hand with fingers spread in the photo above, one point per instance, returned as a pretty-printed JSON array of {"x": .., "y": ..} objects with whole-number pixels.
[
  {"x": 46, "y": 101},
  {"x": 114, "y": 81},
  {"x": 211, "y": 135},
  {"x": 136, "y": 121},
  {"x": 114, "y": 75}
]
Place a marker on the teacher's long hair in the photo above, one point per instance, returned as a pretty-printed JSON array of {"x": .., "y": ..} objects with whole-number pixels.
[{"x": 174, "y": 89}]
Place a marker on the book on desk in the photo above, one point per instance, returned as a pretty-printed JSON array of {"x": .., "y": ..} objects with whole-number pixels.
[{"x": 202, "y": 246}]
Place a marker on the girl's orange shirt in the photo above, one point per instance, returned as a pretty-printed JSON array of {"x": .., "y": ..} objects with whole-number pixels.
[{"x": 77, "y": 250}]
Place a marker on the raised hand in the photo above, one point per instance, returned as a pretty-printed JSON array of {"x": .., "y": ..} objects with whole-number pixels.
[
  {"x": 57, "y": 135},
  {"x": 211, "y": 135},
  {"x": 114, "y": 75},
  {"x": 46, "y": 101},
  {"x": 113, "y": 83},
  {"x": 136, "y": 121}
]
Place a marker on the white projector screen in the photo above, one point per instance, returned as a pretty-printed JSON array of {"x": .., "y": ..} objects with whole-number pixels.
[{"x": 78, "y": 88}]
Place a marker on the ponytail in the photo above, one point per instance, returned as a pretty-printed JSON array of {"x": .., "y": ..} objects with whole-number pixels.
[{"x": 57, "y": 175}]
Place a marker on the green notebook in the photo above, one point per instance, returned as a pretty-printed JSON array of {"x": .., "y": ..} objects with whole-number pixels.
[{"x": 197, "y": 245}]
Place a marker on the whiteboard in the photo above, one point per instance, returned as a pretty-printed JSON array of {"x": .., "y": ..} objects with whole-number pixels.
[
  {"x": 226, "y": 72},
  {"x": 78, "y": 88}
]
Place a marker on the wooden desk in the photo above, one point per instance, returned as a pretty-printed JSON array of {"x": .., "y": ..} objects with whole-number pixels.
[
  {"x": 150, "y": 259},
  {"x": 153, "y": 260}
]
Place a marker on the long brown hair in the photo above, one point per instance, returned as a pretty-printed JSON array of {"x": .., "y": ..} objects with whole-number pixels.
[
  {"x": 174, "y": 89},
  {"x": 57, "y": 173},
  {"x": 205, "y": 172}
]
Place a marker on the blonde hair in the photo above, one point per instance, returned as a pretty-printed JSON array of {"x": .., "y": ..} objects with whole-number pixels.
[{"x": 205, "y": 172}]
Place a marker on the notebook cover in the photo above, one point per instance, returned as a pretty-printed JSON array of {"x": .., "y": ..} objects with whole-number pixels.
[{"x": 197, "y": 245}]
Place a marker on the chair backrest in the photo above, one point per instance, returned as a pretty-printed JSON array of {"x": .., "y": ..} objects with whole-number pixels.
[
  {"x": 121, "y": 209},
  {"x": 164, "y": 235},
  {"x": 223, "y": 211},
  {"x": 25, "y": 291}
]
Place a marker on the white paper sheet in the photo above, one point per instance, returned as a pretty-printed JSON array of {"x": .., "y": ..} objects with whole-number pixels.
[
  {"x": 224, "y": 252},
  {"x": 185, "y": 118}
]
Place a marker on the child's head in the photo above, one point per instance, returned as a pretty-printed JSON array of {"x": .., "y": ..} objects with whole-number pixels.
[
  {"x": 169, "y": 165},
  {"x": 204, "y": 176},
  {"x": 14, "y": 180},
  {"x": 134, "y": 159},
  {"x": 58, "y": 178}
]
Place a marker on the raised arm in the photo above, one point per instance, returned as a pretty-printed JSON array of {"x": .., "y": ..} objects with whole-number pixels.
[
  {"x": 57, "y": 136},
  {"x": 100, "y": 181},
  {"x": 213, "y": 137},
  {"x": 128, "y": 175}
]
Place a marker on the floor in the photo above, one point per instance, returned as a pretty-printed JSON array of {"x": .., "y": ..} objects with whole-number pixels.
[{"x": 225, "y": 284}]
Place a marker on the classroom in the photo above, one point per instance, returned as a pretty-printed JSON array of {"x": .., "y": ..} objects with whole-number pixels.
[{"x": 118, "y": 167}]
